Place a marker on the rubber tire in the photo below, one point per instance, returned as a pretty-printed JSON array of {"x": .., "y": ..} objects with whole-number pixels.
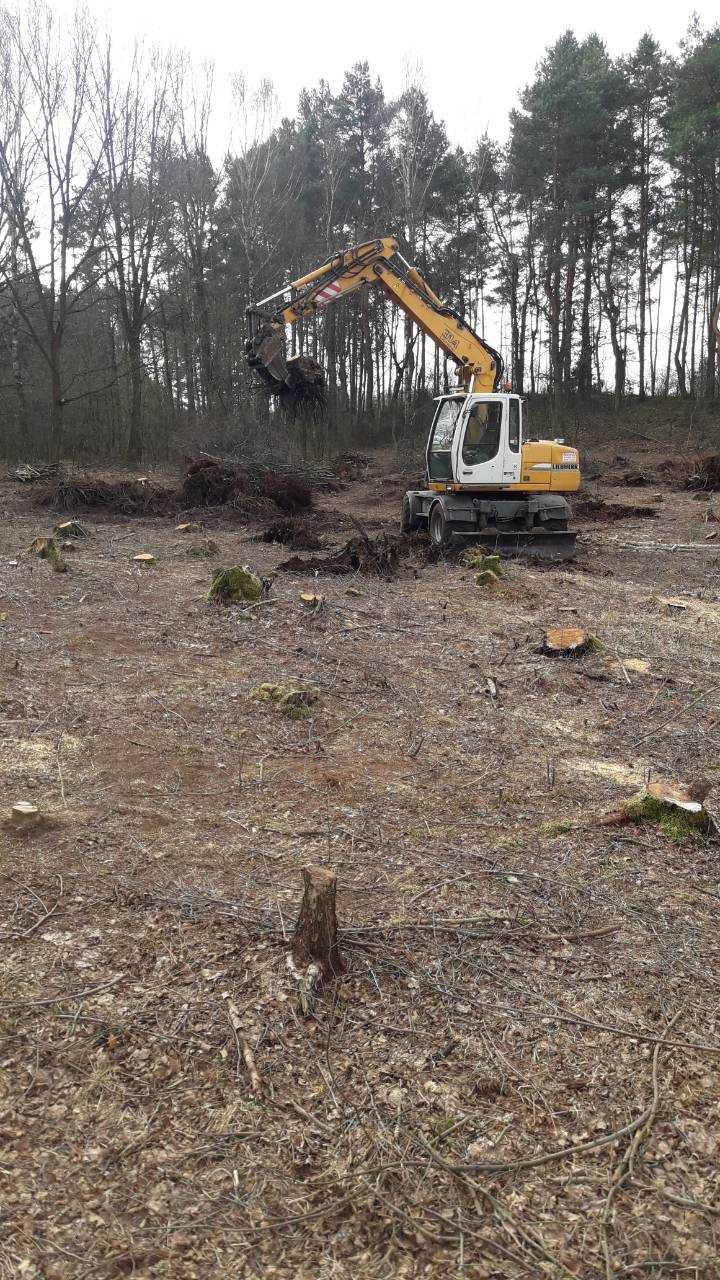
[
  {"x": 440, "y": 533},
  {"x": 408, "y": 522}
]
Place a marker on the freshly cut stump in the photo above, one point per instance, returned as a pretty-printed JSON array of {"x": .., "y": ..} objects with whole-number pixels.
[
  {"x": 566, "y": 642},
  {"x": 70, "y": 529},
  {"x": 315, "y": 939},
  {"x": 678, "y": 809},
  {"x": 24, "y": 815}
]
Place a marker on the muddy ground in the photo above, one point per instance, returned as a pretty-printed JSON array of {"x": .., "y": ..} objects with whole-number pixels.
[{"x": 517, "y": 1076}]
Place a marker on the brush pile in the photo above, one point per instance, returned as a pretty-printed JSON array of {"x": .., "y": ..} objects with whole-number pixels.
[
  {"x": 351, "y": 466},
  {"x": 252, "y": 493},
  {"x": 705, "y": 474},
  {"x": 211, "y": 483},
  {"x": 294, "y": 533},
  {"x": 123, "y": 497},
  {"x": 698, "y": 475},
  {"x": 381, "y": 556}
]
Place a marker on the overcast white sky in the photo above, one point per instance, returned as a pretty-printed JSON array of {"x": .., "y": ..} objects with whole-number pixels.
[{"x": 475, "y": 58}]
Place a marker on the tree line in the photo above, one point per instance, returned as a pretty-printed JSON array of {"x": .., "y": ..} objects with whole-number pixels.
[{"x": 586, "y": 247}]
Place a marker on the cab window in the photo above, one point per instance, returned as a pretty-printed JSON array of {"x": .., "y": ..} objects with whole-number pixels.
[
  {"x": 482, "y": 433},
  {"x": 440, "y": 451},
  {"x": 514, "y": 426}
]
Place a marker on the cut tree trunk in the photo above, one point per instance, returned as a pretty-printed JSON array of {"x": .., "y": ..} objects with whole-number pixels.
[{"x": 315, "y": 938}]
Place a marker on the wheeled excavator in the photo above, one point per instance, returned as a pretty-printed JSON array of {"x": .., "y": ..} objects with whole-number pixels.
[{"x": 485, "y": 479}]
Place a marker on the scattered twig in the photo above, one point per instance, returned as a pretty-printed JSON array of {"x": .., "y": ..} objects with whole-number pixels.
[
  {"x": 626, "y": 1167},
  {"x": 504, "y": 1217},
  {"x": 70, "y": 995},
  {"x": 244, "y": 1050},
  {"x": 696, "y": 1205}
]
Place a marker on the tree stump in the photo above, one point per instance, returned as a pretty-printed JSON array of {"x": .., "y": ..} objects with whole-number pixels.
[
  {"x": 315, "y": 938},
  {"x": 567, "y": 642},
  {"x": 24, "y": 815}
]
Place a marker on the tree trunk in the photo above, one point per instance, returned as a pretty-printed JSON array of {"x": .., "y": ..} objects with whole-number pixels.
[
  {"x": 643, "y": 249},
  {"x": 315, "y": 937},
  {"x": 584, "y": 372},
  {"x": 133, "y": 452},
  {"x": 56, "y": 404}
]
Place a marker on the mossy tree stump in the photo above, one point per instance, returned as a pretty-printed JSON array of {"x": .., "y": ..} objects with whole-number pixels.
[
  {"x": 315, "y": 939},
  {"x": 234, "y": 585},
  {"x": 47, "y": 549}
]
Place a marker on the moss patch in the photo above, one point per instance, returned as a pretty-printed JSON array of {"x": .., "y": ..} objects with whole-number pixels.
[
  {"x": 71, "y": 529},
  {"x": 487, "y": 578},
  {"x": 489, "y": 567},
  {"x": 558, "y": 828}
]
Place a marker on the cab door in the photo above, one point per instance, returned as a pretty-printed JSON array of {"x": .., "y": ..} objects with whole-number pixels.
[
  {"x": 480, "y": 443},
  {"x": 512, "y": 466},
  {"x": 441, "y": 444}
]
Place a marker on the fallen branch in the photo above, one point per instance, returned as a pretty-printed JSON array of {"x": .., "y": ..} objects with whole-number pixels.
[
  {"x": 244, "y": 1050},
  {"x": 536, "y": 1162},
  {"x": 651, "y": 546},
  {"x": 76, "y": 995},
  {"x": 696, "y": 1205},
  {"x": 644, "y": 1038},
  {"x": 626, "y": 1167},
  {"x": 505, "y": 1219}
]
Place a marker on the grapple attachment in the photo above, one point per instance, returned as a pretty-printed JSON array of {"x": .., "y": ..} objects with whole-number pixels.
[{"x": 298, "y": 381}]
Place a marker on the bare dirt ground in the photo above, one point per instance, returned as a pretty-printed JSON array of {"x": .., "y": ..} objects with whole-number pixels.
[{"x": 518, "y": 1074}]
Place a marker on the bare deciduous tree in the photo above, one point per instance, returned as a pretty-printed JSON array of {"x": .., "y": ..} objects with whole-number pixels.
[
  {"x": 136, "y": 123},
  {"x": 49, "y": 167}
]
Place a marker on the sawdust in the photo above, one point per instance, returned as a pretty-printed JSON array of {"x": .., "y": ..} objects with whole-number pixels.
[{"x": 621, "y": 774}]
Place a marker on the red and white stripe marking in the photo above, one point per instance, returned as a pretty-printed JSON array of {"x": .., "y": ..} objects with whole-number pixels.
[{"x": 328, "y": 294}]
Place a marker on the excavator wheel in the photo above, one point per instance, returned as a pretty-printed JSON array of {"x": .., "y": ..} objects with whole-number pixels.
[
  {"x": 409, "y": 522},
  {"x": 439, "y": 529}
]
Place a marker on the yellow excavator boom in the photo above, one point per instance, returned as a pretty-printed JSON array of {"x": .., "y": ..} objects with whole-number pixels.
[{"x": 379, "y": 263}]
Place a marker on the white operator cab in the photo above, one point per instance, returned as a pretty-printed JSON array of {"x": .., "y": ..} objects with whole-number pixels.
[{"x": 476, "y": 440}]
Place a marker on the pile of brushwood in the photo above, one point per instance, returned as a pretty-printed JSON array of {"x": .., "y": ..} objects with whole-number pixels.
[
  {"x": 351, "y": 466},
  {"x": 705, "y": 474},
  {"x": 209, "y": 482},
  {"x": 382, "y": 556},
  {"x": 122, "y": 497},
  {"x": 249, "y": 492},
  {"x": 293, "y": 532},
  {"x": 698, "y": 475}
]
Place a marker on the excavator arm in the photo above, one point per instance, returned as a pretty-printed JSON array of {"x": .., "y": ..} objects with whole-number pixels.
[{"x": 379, "y": 263}]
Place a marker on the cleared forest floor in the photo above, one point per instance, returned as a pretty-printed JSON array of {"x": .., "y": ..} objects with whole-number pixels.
[{"x": 519, "y": 1073}]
